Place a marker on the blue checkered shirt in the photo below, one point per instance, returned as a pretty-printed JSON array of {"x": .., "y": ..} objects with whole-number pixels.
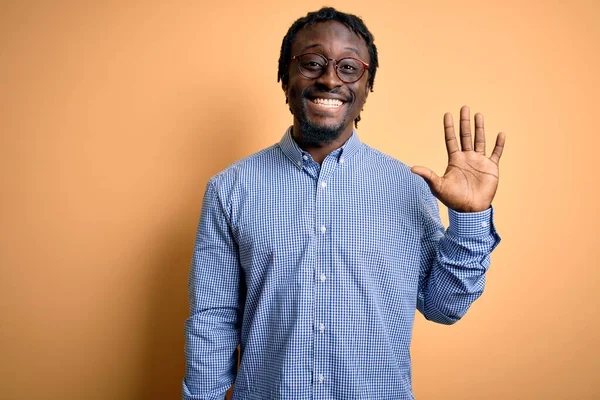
[{"x": 315, "y": 272}]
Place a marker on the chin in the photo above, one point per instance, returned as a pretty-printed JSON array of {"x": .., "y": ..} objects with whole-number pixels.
[{"x": 315, "y": 134}]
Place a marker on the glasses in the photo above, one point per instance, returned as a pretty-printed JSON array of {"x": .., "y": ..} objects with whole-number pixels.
[{"x": 348, "y": 69}]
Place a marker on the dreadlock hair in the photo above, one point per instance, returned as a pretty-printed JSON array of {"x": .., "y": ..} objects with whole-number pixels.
[{"x": 353, "y": 22}]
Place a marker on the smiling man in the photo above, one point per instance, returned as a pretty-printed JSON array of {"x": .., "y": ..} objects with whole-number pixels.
[
  {"x": 313, "y": 255},
  {"x": 325, "y": 105}
]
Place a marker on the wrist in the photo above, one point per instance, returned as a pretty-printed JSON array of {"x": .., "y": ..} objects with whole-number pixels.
[{"x": 468, "y": 210}]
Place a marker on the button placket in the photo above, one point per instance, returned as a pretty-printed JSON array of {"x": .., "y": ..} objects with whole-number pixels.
[{"x": 323, "y": 199}]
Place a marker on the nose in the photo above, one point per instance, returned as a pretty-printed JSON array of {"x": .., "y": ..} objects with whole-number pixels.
[{"x": 330, "y": 78}]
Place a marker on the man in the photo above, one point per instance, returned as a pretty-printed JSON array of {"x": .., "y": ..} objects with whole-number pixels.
[{"x": 312, "y": 255}]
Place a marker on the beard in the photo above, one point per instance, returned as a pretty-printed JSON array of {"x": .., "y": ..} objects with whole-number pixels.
[{"x": 314, "y": 135}]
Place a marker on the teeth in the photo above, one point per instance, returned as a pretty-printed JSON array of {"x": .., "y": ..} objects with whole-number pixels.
[{"x": 330, "y": 103}]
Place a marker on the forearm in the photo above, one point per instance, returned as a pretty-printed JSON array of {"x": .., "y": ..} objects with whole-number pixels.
[
  {"x": 210, "y": 351},
  {"x": 459, "y": 262}
]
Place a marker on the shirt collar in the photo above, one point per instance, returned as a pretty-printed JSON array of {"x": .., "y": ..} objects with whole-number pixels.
[{"x": 291, "y": 149}]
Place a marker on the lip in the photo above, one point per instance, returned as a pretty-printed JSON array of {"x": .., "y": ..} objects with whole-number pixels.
[
  {"x": 323, "y": 110},
  {"x": 313, "y": 96}
]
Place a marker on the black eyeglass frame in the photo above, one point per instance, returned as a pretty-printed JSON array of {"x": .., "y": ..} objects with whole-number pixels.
[{"x": 335, "y": 66}]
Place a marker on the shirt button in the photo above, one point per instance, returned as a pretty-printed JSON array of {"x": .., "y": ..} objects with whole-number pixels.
[
  {"x": 323, "y": 229},
  {"x": 322, "y": 327},
  {"x": 322, "y": 277},
  {"x": 321, "y": 378},
  {"x": 342, "y": 160},
  {"x": 300, "y": 163},
  {"x": 323, "y": 184},
  {"x": 305, "y": 157},
  {"x": 484, "y": 224}
]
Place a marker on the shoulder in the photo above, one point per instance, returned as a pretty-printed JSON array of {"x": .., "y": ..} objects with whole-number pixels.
[
  {"x": 390, "y": 168},
  {"x": 393, "y": 177},
  {"x": 248, "y": 171},
  {"x": 392, "y": 184}
]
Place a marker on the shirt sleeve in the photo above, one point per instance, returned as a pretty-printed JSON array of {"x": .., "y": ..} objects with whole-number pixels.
[
  {"x": 212, "y": 330},
  {"x": 453, "y": 261}
]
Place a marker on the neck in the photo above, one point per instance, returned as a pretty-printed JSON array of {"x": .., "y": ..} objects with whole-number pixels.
[{"x": 320, "y": 151}]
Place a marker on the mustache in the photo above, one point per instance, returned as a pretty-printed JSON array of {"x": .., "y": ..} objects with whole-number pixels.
[{"x": 314, "y": 91}]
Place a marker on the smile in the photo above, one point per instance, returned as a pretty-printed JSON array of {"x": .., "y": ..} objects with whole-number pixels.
[{"x": 327, "y": 103}]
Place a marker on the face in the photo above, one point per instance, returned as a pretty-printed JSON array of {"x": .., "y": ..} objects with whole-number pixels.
[{"x": 324, "y": 108}]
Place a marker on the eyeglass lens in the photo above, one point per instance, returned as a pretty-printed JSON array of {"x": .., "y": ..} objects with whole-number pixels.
[{"x": 314, "y": 65}]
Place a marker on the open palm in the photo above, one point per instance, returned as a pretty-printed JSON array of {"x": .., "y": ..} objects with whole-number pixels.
[{"x": 471, "y": 179}]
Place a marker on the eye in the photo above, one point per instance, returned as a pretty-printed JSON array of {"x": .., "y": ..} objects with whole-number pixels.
[
  {"x": 350, "y": 66},
  {"x": 312, "y": 64}
]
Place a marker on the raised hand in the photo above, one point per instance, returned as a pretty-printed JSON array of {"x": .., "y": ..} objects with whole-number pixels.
[{"x": 471, "y": 179}]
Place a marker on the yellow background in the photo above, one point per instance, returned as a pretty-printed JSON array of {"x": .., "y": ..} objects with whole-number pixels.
[{"x": 113, "y": 115}]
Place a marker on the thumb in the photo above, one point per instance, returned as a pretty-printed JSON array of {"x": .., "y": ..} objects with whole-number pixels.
[{"x": 434, "y": 181}]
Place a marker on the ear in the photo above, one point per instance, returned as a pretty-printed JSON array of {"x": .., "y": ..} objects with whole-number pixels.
[
  {"x": 367, "y": 91},
  {"x": 284, "y": 88}
]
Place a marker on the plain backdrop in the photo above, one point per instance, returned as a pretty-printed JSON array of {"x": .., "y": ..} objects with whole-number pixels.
[{"x": 114, "y": 114}]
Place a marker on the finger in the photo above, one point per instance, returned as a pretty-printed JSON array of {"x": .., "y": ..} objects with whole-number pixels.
[
  {"x": 497, "y": 153},
  {"x": 465, "y": 129},
  {"x": 451, "y": 145},
  {"x": 479, "y": 134},
  {"x": 434, "y": 181}
]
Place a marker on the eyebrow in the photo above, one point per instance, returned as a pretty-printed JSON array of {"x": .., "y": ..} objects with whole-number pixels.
[{"x": 352, "y": 49}]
